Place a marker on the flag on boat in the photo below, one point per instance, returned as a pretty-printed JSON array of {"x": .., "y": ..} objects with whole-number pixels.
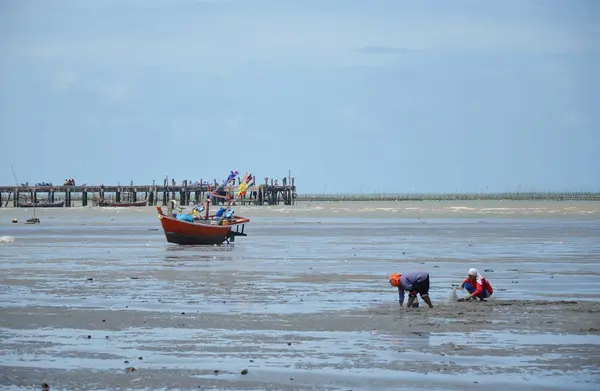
[
  {"x": 230, "y": 178},
  {"x": 244, "y": 185}
]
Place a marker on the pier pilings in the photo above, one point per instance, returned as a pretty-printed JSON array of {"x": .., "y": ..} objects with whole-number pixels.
[{"x": 269, "y": 193}]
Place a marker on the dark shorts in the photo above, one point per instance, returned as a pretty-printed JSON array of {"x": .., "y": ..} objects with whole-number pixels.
[{"x": 421, "y": 288}]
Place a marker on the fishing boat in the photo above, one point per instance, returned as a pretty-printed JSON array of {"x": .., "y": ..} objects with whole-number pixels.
[
  {"x": 200, "y": 231},
  {"x": 41, "y": 204},
  {"x": 193, "y": 228},
  {"x": 122, "y": 204}
]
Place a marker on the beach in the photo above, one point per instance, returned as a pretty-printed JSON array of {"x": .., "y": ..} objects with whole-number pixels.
[{"x": 96, "y": 299}]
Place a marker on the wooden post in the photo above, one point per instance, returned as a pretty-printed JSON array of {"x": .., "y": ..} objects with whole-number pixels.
[
  {"x": 134, "y": 195},
  {"x": 16, "y": 199},
  {"x": 118, "y": 195},
  {"x": 84, "y": 198}
]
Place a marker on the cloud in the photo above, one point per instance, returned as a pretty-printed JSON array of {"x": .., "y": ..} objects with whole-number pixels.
[
  {"x": 381, "y": 50},
  {"x": 68, "y": 82},
  {"x": 64, "y": 82},
  {"x": 113, "y": 91}
]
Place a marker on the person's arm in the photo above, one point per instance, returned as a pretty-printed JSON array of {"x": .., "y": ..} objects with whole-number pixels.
[
  {"x": 462, "y": 286},
  {"x": 400, "y": 295}
]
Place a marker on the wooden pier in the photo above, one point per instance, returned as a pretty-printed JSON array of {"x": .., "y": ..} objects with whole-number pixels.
[{"x": 271, "y": 192}]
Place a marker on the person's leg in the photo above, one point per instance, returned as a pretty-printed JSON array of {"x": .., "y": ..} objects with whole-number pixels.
[
  {"x": 484, "y": 295},
  {"x": 424, "y": 292},
  {"x": 469, "y": 287}
]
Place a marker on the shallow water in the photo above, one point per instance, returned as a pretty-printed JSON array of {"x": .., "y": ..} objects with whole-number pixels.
[{"x": 301, "y": 271}]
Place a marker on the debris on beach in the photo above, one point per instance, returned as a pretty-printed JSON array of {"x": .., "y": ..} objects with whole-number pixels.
[
  {"x": 244, "y": 372},
  {"x": 45, "y": 387},
  {"x": 453, "y": 296},
  {"x": 130, "y": 369}
]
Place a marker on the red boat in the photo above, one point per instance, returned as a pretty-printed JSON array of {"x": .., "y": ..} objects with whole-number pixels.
[
  {"x": 207, "y": 230},
  {"x": 122, "y": 204},
  {"x": 42, "y": 204}
]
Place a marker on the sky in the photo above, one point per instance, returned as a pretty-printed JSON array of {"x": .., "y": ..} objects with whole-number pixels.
[{"x": 378, "y": 96}]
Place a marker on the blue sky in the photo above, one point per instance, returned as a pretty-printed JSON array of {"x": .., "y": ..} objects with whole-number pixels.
[{"x": 351, "y": 96}]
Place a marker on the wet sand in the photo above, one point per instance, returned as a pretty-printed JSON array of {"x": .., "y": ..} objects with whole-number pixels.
[
  {"x": 302, "y": 303},
  {"x": 357, "y": 349}
]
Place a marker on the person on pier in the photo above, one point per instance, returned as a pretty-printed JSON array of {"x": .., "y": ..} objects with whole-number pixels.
[
  {"x": 413, "y": 282},
  {"x": 477, "y": 286}
]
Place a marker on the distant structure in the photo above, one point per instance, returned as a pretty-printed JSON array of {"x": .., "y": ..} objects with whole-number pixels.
[
  {"x": 516, "y": 196},
  {"x": 270, "y": 192}
]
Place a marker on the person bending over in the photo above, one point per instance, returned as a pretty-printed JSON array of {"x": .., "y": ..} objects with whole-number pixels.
[{"x": 414, "y": 283}]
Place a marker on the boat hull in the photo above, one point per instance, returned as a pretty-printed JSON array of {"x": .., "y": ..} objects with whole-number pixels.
[
  {"x": 42, "y": 204},
  {"x": 186, "y": 233},
  {"x": 122, "y": 204},
  {"x": 186, "y": 239}
]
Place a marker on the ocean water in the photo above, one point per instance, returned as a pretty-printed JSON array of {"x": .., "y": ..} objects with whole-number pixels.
[
  {"x": 552, "y": 249},
  {"x": 303, "y": 260}
]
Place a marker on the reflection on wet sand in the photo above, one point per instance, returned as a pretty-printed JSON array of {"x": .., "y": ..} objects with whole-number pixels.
[{"x": 175, "y": 253}]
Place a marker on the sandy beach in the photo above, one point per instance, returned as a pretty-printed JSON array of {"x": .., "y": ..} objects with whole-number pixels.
[{"x": 95, "y": 299}]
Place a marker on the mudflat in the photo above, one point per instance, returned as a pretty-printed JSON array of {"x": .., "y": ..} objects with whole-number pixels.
[{"x": 95, "y": 299}]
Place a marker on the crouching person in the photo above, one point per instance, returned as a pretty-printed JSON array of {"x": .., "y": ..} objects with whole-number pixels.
[
  {"x": 414, "y": 283},
  {"x": 477, "y": 286}
]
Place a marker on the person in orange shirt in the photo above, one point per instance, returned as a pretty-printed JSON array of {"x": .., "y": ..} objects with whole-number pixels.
[
  {"x": 413, "y": 282},
  {"x": 477, "y": 286}
]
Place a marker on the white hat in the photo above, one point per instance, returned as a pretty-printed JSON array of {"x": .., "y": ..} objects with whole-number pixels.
[{"x": 473, "y": 272}]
